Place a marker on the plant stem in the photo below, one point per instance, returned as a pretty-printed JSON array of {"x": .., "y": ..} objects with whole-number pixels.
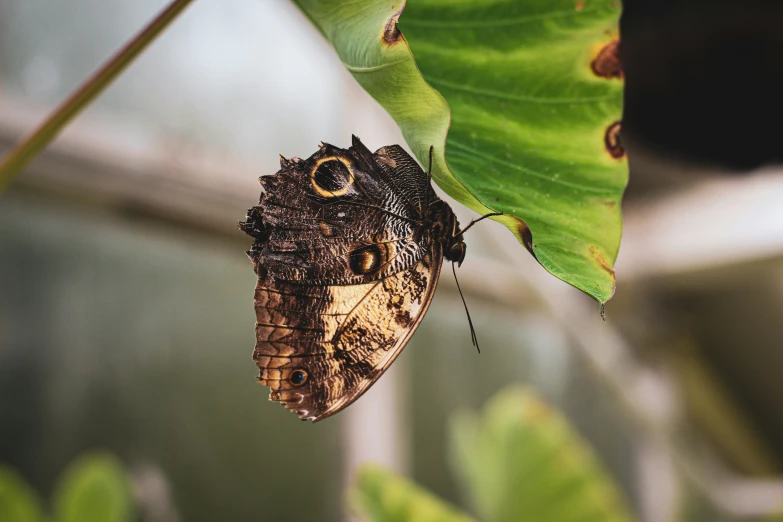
[{"x": 16, "y": 159}]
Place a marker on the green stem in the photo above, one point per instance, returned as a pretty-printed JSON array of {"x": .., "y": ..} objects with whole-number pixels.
[{"x": 16, "y": 160}]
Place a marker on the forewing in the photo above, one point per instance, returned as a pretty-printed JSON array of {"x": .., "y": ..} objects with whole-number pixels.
[
  {"x": 316, "y": 215},
  {"x": 320, "y": 348}
]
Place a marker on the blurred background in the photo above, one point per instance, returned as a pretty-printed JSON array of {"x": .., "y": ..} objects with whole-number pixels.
[{"x": 126, "y": 316}]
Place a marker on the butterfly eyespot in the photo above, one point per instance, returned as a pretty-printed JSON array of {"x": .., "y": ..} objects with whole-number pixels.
[
  {"x": 331, "y": 177},
  {"x": 365, "y": 259},
  {"x": 298, "y": 377}
]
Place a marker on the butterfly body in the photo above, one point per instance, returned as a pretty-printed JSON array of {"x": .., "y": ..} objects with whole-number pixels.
[{"x": 348, "y": 249}]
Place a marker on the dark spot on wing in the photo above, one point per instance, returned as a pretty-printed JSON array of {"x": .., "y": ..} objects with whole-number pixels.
[{"x": 403, "y": 318}]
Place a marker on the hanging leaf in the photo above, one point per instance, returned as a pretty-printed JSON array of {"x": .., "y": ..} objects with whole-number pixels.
[{"x": 521, "y": 100}]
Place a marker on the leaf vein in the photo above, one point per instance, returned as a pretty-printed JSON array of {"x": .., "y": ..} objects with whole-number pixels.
[
  {"x": 489, "y": 157},
  {"x": 470, "y": 24},
  {"x": 364, "y": 70},
  {"x": 515, "y": 97}
]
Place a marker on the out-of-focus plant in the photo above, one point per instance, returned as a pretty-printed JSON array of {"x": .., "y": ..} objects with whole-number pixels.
[
  {"x": 93, "y": 488},
  {"x": 14, "y": 161},
  {"x": 518, "y": 461}
]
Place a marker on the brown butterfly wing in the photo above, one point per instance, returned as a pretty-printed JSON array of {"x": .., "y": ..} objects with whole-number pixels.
[
  {"x": 319, "y": 348},
  {"x": 311, "y": 235},
  {"x": 345, "y": 274}
]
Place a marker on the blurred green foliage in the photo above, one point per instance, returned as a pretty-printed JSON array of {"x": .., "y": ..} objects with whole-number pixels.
[
  {"x": 18, "y": 501},
  {"x": 518, "y": 460},
  {"x": 383, "y": 496},
  {"x": 93, "y": 488}
]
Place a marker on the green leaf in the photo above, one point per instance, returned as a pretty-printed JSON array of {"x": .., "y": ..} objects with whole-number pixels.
[
  {"x": 380, "y": 495},
  {"x": 93, "y": 488},
  {"x": 18, "y": 501},
  {"x": 518, "y": 120},
  {"x": 521, "y": 461}
]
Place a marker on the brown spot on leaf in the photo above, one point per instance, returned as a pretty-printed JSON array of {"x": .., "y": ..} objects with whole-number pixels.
[
  {"x": 524, "y": 232},
  {"x": 613, "y": 141},
  {"x": 391, "y": 34},
  {"x": 606, "y": 63},
  {"x": 603, "y": 264},
  {"x": 601, "y": 261}
]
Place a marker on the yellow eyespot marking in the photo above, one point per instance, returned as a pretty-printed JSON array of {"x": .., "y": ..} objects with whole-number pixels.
[
  {"x": 365, "y": 260},
  {"x": 332, "y": 176}
]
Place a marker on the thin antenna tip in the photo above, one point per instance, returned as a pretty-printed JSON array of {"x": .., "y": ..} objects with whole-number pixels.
[{"x": 473, "y": 336}]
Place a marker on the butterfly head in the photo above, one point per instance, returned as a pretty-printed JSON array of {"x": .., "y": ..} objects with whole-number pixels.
[
  {"x": 446, "y": 228},
  {"x": 456, "y": 252}
]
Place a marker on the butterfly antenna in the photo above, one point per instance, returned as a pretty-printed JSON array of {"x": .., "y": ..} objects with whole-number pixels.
[
  {"x": 485, "y": 216},
  {"x": 473, "y": 337}
]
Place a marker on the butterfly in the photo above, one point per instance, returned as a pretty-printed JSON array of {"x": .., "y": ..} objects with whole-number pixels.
[{"x": 348, "y": 246}]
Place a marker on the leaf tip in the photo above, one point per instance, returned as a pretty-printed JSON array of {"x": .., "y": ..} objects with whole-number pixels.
[{"x": 522, "y": 231}]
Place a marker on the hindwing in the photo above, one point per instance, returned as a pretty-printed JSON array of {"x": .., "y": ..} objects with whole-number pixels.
[{"x": 320, "y": 347}]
